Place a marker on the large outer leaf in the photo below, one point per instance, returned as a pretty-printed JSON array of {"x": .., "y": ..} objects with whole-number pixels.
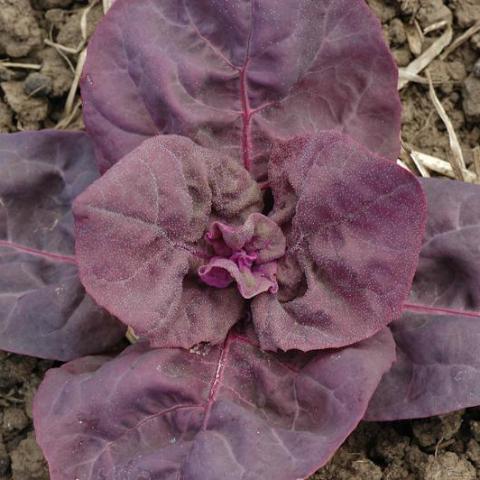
[
  {"x": 438, "y": 337},
  {"x": 238, "y": 75},
  {"x": 139, "y": 239},
  {"x": 229, "y": 413},
  {"x": 354, "y": 226},
  {"x": 44, "y": 310}
]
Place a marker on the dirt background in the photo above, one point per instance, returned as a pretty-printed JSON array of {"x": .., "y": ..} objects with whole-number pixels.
[{"x": 40, "y": 42}]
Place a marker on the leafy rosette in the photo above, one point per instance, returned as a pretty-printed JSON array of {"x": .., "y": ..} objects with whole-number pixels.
[
  {"x": 251, "y": 221},
  {"x": 178, "y": 253}
]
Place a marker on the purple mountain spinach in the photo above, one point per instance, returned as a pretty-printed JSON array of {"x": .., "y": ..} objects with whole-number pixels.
[
  {"x": 352, "y": 228},
  {"x": 253, "y": 224}
]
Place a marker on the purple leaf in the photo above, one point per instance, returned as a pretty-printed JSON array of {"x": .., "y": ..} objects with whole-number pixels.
[
  {"x": 224, "y": 413},
  {"x": 354, "y": 225},
  {"x": 437, "y": 369},
  {"x": 140, "y": 240},
  {"x": 438, "y": 337},
  {"x": 448, "y": 273},
  {"x": 44, "y": 310},
  {"x": 239, "y": 75}
]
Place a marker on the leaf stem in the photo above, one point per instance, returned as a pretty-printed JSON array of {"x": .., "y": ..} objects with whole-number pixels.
[
  {"x": 439, "y": 310},
  {"x": 56, "y": 257},
  {"x": 246, "y": 118},
  {"x": 217, "y": 380}
]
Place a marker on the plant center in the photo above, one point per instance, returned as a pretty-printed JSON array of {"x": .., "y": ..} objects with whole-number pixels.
[{"x": 245, "y": 254}]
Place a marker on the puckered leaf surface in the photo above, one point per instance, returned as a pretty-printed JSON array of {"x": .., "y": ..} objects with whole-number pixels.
[
  {"x": 438, "y": 337},
  {"x": 238, "y": 75},
  {"x": 139, "y": 234},
  {"x": 354, "y": 226},
  {"x": 228, "y": 413},
  {"x": 245, "y": 254},
  {"x": 44, "y": 310}
]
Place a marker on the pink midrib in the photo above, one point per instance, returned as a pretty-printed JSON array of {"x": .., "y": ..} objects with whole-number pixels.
[
  {"x": 247, "y": 113},
  {"x": 56, "y": 257},
  {"x": 217, "y": 381},
  {"x": 415, "y": 307}
]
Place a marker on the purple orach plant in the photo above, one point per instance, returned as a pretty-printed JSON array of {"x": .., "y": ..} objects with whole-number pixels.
[
  {"x": 330, "y": 265},
  {"x": 252, "y": 227}
]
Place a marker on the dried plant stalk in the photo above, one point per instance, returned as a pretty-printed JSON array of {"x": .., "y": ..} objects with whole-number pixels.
[
  {"x": 73, "y": 89},
  {"x": 476, "y": 162},
  {"x": 435, "y": 26},
  {"x": 415, "y": 38},
  {"x": 440, "y": 166},
  {"x": 131, "y": 336},
  {"x": 426, "y": 57},
  {"x": 402, "y": 164},
  {"x": 67, "y": 120},
  {"x": 107, "y": 4},
  {"x": 461, "y": 39},
  {"x": 83, "y": 20},
  {"x": 405, "y": 76},
  {"x": 457, "y": 160},
  {"x": 63, "y": 48},
  {"x": 25, "y": 66},
  {"x": 408, "y": 151}
]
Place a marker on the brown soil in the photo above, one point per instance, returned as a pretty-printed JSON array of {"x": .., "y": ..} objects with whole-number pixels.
[{"x": 33, "y": 97}]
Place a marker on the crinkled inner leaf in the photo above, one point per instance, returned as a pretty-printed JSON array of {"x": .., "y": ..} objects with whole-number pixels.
[
  {"x": 239, "y": 75},
  {"x": 231, "y": 412},
  {"x": 44, "y": 310},
  {"x": 140, "y": 234},
  {"x": 438, "y": 337},
  {"x": 246, "y": 254},
  {"x": 354, "y": 225}
]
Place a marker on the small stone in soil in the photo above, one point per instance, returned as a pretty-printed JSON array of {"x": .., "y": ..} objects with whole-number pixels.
[
  {"x": 14, "y": 369},
  {"x": 4, "y": 458},
  {"x": 30, "y": 111},
  {"x": 475, "y": 41},
  {"x": 37, "y": 85},
  {"x": 14, "y": 419},
  {"x": 45, "y": 4},
  {"x": 467, "y": 12},
  {"x": 449, "y": 465},
  {"x": 473, "y": 452},
  {"x": 396, "y": 31},
  {"x": 55, "y": 69},
  {"x": 471, "y": 96},
  {"x": 475, "y": 429},
  {"x": 7, "y": 74},
  {"x": 28, "y": 462},
  {"x": 433, "y": 11},
  {"x": 6, "y": 118},
  {"x": 476, "y": 68},
  {"x": 19, "y": 30}
]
